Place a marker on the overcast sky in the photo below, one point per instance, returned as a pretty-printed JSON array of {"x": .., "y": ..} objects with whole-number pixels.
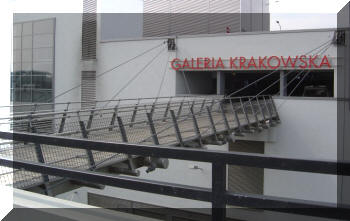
[{"x": 292, "y": 14}]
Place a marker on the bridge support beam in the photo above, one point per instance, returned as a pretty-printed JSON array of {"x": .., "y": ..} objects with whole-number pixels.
[
  {"x": 283, "y": 83},
  {"x": 220, "y": 83}
]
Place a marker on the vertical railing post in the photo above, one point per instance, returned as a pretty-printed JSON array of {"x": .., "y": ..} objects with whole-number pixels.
[
  {"x": 245, "y": 113},
  {"x": 166, "y": 110},
  {"x": 133, "y": 117},
  {"x": 85, "y": 133},
  {"x": 275, "y": 109},
  {"x": 153, "y": 106},
  {"x": 125, "y": 139},
  {"x": 202, "y": 106},
  {"x": 257, "y": 122},
  {"x": 196, "y": 128},
  {"x": 193, "y": 103},
  {"x": 154, "y": 136},
  {"x": 40, "y": 156},
  {"x": 111, "y": 124},
  {"x": 262, "y": 112},
  {"x": 180, "y": 108},
  {"x": 234, "y": 111},
  {"x": 218, "y": 191},
  {"x": 212, "y": 124},
  {"x": 89, "y": 123},
  {"x": 177, "y": 129},
  {"x": 268, "y": 111},
  {"x": 63, "y": 120},
  {"x": 227, "y": 125},
  {"x": 212, "y": 104},
  {"x": 152, "y": 129}
]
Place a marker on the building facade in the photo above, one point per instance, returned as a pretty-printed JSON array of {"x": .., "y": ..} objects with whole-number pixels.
[{"x": 310, "y": 123}]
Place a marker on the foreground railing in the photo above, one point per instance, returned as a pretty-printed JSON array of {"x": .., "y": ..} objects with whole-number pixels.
[{"x": 217, "y": 195}]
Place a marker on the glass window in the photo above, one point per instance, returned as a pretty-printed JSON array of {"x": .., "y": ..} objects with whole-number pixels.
[
  {"x": 43, "y": 81},
  {"x": 43, "y": 27},
  {"x": 43, "y": 54},
  {"x": 17, "y": 29},
  {"x": 43, "y": 41},
  {"x": 27, "y": 28},
  {"x": 17, "y": 44},
  {"x": 46, "y": 67},
  {"x": 27, "y": 42},
  {"x": 33, "y": 54},
  {"x": 15, "y": 81},
  {"x": 27, "y": 66},
  {"x": 17, "y": 56},
  {"x": 42, "y": 95},
  {"x": 311, "y": 83},
  {"x": 16, "y": 67},
  {"x": 26, "y": 81},
  {"x": 17, "y": 95},
  {"x": 26, "y": 95}
]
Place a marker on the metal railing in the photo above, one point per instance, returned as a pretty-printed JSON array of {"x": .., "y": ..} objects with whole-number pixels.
[
  {"x": 181, "y": 121},
  {"x": 217, "y": 195}
]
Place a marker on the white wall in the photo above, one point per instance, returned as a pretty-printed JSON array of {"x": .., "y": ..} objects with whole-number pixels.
[
  {"x": 67, "y": 51},
  {"x": 110, "y": 54},
  {"x": 308, "y": 131},
  {"x": 113, "y": 53}
]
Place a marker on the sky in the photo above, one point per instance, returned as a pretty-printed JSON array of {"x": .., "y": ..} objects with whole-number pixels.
[{"x": 291, "y": 14}]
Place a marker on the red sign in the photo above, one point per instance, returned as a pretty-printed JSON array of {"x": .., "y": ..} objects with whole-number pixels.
[{"x": 244, "y": 63}]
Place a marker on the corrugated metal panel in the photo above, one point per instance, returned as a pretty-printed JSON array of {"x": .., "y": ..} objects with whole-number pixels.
[
  {"x": 190, "y": 17},
  {"x": 246, "y": 179},
  {"x": 189, "y": 23},
  {"x": 88, "y": 89},
  {"x": 185, "y": 6},
  {"x": 156, "y": 6},
  {"x": 156, "y": 24},
  {"x": 193, "y": 6},
  {"x": 224, "y": 6},
  {"x": 89, "y": 6},
  {"x": 219, "y": 21},
  {"x": 89, "y": 27}
]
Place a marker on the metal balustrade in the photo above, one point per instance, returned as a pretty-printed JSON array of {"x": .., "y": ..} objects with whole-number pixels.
[
  {"x": 217, "y": 195},
  {"x": 171, "y": 121}
]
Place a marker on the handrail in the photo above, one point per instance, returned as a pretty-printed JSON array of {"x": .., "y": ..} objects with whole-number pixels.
[
  {"x": 218, "y": 195},
  {"x": 233, "y": 158}
]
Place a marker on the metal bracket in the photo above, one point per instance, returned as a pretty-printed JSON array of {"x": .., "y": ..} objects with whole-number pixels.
[
  {"x": 171, "y": 44},
  {"x": 339, "y": 37}
]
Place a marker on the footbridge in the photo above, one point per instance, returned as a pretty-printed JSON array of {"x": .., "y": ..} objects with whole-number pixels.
[{"x": 188, "y": 121}]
